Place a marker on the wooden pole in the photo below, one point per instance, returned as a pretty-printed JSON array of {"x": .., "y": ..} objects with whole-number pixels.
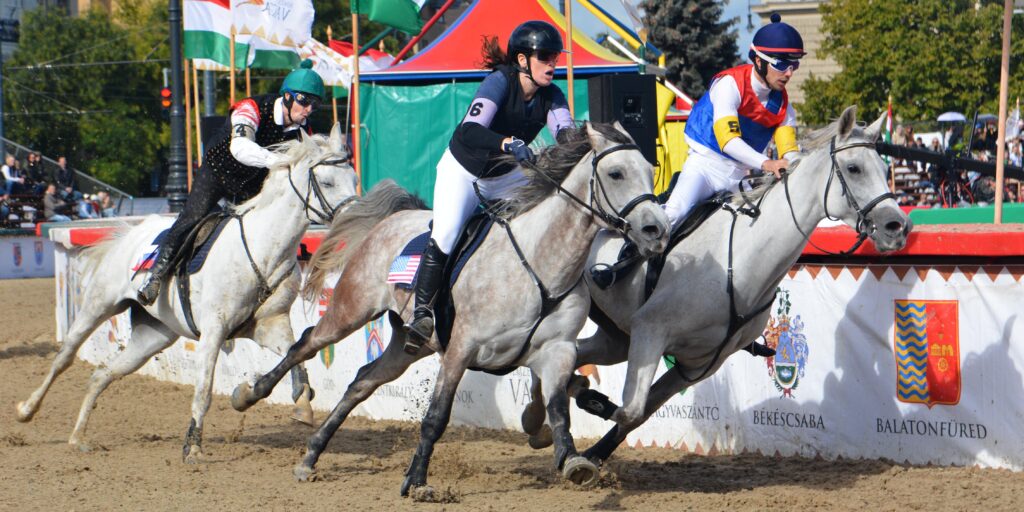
[
  {"x": 1004, "y": 85},
  {"x": 195, "y": 101},
  {"x": 188, "y": 130},
  {"x": 354, "y": 96},
  {"x": 248, "y": 83},
  {"x": 334, "y": 100},
  {"x": 231, "y": 73},
  {"x": 569, "y": 74}
]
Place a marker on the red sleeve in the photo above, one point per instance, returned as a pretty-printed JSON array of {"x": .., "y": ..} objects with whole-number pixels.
[{"x": 248, "y": 110}]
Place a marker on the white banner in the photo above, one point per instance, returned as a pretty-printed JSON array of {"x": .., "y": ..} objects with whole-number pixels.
[
  {"x": 280, "y": 22},
  {"x": 918, "y": 364}
]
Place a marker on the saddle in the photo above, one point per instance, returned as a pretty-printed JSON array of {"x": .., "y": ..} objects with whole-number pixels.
[{"x": 192, "y": 255}]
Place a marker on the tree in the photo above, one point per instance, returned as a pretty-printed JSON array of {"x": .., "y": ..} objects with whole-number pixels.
[
  {"x": 86, "y": 87},
  {"x": 694, "y": 37},
  {"x": 931, "y": 55}
]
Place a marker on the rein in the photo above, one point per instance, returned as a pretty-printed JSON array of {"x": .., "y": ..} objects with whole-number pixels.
[{"x": 326, "y": 211}]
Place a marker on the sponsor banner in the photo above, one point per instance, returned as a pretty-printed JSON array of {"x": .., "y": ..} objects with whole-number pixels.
[
  {"x": 25, "y": 256},
  {"x": 922, "y": 365}
]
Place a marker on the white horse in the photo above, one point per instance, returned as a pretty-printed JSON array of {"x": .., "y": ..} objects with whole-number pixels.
[
  {"x": 690, "y": 314},
  {"x": 254, "y": 255},
  {"x": 520, "y": 299}
]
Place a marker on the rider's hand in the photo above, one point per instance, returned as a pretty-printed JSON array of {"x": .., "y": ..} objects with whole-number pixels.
[
  {"x": 518, "y": 149},
  {"x": 775, "y": 166}
]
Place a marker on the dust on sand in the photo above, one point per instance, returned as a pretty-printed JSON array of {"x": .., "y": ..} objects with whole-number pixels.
[{"x": 139, "y": 425}]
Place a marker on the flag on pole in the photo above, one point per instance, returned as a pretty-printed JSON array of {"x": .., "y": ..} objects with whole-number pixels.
[
  {"x": 1013, "y": 123},
  {"x": 274, "y": 31},
  {"x": 401, "y": 14},
  {"x": 887, "y": 132},
  {"x": 207, "y": 33}
]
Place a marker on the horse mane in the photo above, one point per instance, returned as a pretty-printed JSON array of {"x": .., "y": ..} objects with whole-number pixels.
[
  {"x": 351, "y": 226},
  {"x": 554, "y": 163},
  {"x": 289, "y": 153}
]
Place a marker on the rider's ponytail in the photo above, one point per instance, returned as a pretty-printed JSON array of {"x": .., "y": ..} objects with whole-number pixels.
[{"x": 492, "y": 53}]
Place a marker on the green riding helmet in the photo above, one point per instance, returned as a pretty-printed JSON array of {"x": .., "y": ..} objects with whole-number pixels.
[{"x": 304, "y": 80}]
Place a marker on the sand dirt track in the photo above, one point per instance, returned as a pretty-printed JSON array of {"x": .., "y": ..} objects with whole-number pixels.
[{"x": 140, "y": 423}]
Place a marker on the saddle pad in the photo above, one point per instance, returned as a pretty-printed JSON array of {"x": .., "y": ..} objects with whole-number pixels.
[
  {"x": 195, "y": 264},
  {"x": 477, "y": 228},
  {"x": 147, "y": 253},
  {"x": 403, "y": 269}
]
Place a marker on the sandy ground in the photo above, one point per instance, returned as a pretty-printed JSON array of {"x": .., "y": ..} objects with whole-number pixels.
[{"x": 139, "y": 425}]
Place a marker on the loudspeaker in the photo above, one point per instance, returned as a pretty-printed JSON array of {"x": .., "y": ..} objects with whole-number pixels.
[
  {"x": 211, "y": 126},
  {"x": 630, "y": 100}
]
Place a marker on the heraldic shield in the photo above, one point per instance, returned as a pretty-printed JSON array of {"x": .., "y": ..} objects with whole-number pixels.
[{"x": 927, "y": 350}]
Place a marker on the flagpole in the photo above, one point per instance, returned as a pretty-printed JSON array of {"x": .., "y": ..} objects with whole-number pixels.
[
  {"x": 231, "y": 73},
  {"x": 248, "y": 84},
  {"x": 892, "y": 161},
  {"x": 1004, "y": 85},
  {"x": 569, "y": 75},
  {"x": 188, "y": 130},
  {"x": 195, "y": 97},
  {"x": 354, "y": 96},
  {"x": 334, "y": 99}
]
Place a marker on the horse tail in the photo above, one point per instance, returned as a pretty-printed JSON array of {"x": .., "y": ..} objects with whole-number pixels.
[
  {"x": 95, "y": 255},
  {"x": 351, "y": 226}
]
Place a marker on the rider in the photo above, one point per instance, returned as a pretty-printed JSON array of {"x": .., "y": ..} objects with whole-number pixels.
[
  {"x": 235, "y": 165},
  {"x": 730, "y": 126},
  {"x": 510, "y": 108}
]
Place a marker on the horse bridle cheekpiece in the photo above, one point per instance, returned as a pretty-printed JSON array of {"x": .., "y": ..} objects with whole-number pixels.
[
  {"x": 326, "y": 211},
  {"x": 864, "y": 226},
  {"x": 617, "y": 220}
]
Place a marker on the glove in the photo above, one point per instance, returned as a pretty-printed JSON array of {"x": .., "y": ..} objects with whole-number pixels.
[{"x": 520, "y": 150}]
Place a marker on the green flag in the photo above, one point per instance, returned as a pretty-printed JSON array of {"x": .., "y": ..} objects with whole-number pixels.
[{"x": 401, "y": 14}]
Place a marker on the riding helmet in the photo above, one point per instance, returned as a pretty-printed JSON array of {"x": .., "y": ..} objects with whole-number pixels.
[
  {"x": 304, "y": 80},
  {"x": 533, "y": 36}
]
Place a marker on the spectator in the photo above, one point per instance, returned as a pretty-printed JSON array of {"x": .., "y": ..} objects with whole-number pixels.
[
  {"x": 1015, "y": 154},
  {"x": 66, "y": 182},
  {"x": 14, "y": 182},
  {"x": 53, "y": 205},
  {"x": 35, "y": 174},
  {"x": 106, "y": 204}
]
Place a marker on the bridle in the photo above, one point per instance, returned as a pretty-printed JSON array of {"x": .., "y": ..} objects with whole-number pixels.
[
  {"x": 615, "y": 220},
  {"x": 325, "y": 211},
  {"x": 865, "y": 227}
]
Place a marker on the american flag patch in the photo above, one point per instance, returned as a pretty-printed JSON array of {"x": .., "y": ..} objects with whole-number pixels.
[
  {"x": 148, "y": 256},
  {"x": 403, "y": 269}
]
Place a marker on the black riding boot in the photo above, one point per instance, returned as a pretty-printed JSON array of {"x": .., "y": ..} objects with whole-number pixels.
[
  {"x": 151, "y": 289},
  {"x": 428, "y": 281}
]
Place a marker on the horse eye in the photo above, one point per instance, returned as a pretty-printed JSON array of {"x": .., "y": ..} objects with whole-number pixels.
[
  {"x": 615, "y": 175},
  {"x": 853, "y": 168}
]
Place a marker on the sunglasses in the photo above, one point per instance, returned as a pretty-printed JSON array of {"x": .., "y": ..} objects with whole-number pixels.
[
  {"x": 306, "y": 100},
  {"x": 780, "y": 65},
  {"x": 547, "y": 55}
]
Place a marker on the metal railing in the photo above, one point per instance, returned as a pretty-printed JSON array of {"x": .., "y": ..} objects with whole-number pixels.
[{"x": 86, "y": 184}]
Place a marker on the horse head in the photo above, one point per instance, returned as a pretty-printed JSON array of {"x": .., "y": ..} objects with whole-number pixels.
[
  {"x": 861, "y": 197},
  {"x": 330, "y": 179},
  {"x": 621, "y": 188}
]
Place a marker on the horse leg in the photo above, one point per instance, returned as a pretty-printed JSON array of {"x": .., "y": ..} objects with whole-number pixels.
[
  {"x": 644, "y": 354},
  {"x": 665, "y": 388},
  {"x": 602, "y": 348},
  {"x": 556, "y": 362},
  {"x": 388, "y": 367},
  {"x": 94, "y": 311},
  {"x": 210, "y": 342},
  {"x": 331, "y": 328},
  {"x": 149, "y": 336},
  {"x": 275, "y": 332},
  {"x": 534, "y": 415},
  {"x": 453, "y": 366}
]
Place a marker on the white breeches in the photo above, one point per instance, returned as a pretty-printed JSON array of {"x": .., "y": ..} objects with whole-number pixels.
[
  {"x": 701, "y": 178},
  {"x": 455, "y": 200}
]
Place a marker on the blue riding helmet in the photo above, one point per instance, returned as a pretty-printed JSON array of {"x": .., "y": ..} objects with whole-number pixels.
[{"x": 777, "y": 44}]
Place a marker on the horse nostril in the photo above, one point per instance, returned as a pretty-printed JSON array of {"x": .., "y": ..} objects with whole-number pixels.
[
  {"x": 894, "y": 226},
  {"x": 652, "y": 230}
]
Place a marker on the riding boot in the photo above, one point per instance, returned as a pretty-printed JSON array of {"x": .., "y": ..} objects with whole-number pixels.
[
  {"x": 759, "y": 350},
  {"x": 150, "y": 290},
  {"x": 428, "y": 281}
]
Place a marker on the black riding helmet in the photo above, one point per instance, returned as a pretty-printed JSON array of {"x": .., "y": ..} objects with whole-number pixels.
[{"x": 532, "y": 37}]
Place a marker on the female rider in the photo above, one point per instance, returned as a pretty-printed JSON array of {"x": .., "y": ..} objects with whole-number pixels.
[{"x": 510, "y": 108}]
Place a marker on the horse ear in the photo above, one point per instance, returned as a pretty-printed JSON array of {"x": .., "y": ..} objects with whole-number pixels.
[
  {"x": 302, "y": 135},
  {"x": 597, "y": 140},
  {"x": 875, "y": 129},
  {"x": 337, "y": 139},
  {"x": 622, "y": 130},
  {"x": 847, "y": 120}
]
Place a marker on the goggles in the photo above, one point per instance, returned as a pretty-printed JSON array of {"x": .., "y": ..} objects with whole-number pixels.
[
  {"x": 306, "y": 100},
  {"x": 780, "y": 65}
]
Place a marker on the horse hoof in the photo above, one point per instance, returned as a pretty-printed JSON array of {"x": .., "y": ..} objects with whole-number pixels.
[
  {"x": 305, "y": 474},
  {"x": 542, "y": 439},
  {"x": 580, "y": 471},
  {"x": 303, "y": 410},
  {"x": 407, "y": 484},
  {"x": 81, "y": 446},
  {"x": 24, "y": 413},
  {"x": 192, "y": 454},
  {"x": 241, "y": 397},
  {"x": 425, "y": 494}
]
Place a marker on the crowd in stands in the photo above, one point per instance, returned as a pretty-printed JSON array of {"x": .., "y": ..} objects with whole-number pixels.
[
  {"x": 932, "y": 185},
  {"x": 30, "y": 192}
]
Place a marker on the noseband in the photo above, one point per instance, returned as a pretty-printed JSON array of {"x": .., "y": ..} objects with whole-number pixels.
[
  {"x": 864, "y": 226},
  {"x": 326, "y": 211}
]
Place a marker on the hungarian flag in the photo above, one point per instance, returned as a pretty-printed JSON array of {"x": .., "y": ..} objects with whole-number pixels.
[
  {"x": 207, "y": 33},
  {"x": 401, "y": 14}
]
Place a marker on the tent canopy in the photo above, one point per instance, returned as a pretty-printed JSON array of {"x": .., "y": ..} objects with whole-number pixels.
[{"x": 456, "y": 53}]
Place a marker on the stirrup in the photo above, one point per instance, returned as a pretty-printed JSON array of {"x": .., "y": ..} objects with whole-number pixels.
[
  {"x": 418, "y": 331},
  {"x": 149, "y": 292}
]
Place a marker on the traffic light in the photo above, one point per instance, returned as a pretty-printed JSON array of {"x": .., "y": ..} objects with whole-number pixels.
[{"x": 165, "y": 98}]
